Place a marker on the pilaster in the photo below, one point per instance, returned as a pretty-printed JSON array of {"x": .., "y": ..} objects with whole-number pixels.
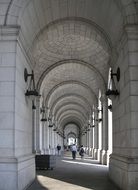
[
  {"x": 96, "y": 136},
  {"x": 38, "y": 149},
  {"x": 104, "y": 149}
]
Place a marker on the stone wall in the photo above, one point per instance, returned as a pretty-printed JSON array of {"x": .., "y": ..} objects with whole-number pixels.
[
  {"x": 124, "y": 160},
  {"x": 16, "y": 159}
]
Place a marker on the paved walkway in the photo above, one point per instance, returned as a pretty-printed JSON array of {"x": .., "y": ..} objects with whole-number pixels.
[{"x": 76, "y": 174}]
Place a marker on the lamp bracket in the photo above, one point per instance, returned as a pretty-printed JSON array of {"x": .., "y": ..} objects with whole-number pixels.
[
  {"x": 31, "y": 91},
  {"x": 117, "y": 74},
  {"x": 99, "y": 120},
  {"x": 26, "y": 74},
  {"x": 43, "y": 119},
  {"x": 110, "y": 107},
  {"x": 50, "y": 125},
  {"x": 100, "y": 110},
  {"x": 112, "y": 92},
  {"x": 33, "y": 105}
]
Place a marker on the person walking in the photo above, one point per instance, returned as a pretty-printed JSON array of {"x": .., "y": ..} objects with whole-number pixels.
[
  {"x": 74, "y": 151},
  {"x": 58, "y": 148},
  {"x": 81, "y": 152}
]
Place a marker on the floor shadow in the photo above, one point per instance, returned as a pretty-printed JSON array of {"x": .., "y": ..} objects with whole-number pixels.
[
  {"x": 36, "y": 185},
  {"x": 85, "y": 173}
]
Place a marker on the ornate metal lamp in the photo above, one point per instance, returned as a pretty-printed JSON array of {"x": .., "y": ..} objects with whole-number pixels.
[
  {"x": 31, "y": 91},
  {"x": 99, "y": 119},
  {"x": 33, "y": 105},
  {"x": 110, "y": 107},
  {"x": 111, "y": 85},
  {"x": 43, "y": 111},
  {"x": 51, "y": 124}
]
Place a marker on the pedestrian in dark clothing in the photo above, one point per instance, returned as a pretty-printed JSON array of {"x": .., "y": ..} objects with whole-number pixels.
[
  {"x": 58, "y": 148},
  {"x": 81, "y": 152}
]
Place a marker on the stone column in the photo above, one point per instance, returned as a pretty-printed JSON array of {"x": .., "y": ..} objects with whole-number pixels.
[
  {"x": 50, "y": 139},
  {"x": 37, "y": 133},
  {"x": 90, "y": 141},
  {"x": 104, "y": 150},
  {"x": 53, "y": 137},
  {"x": 43, "y": 138},
  {"x": 87, "y": 142},
  {"x": 96, "y": 136},
  {"x": 34, "y": 130},
  {"x": 55, "y": 143},
  {"x": 47, "y": 134},
  {"x": 52, "y": 142},
  {"x": 123, "y": 167},
  {"x": 47, "y": 151}
]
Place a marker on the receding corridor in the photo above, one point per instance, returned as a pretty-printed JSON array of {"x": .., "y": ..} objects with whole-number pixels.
[
  {"x": 76, "y": 174},
  {"x": 68, "y": 82}
]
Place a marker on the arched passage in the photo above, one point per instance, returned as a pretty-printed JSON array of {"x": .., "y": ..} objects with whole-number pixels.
[{"x": 70, "y": 47}]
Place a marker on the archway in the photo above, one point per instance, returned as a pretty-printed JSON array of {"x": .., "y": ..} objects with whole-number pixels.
[{"x": 70, "y": 47}]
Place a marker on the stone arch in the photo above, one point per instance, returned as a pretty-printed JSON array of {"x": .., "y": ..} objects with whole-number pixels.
[
  {"x": 70, "y": 112},
  {"x": 72, "y": 118},
  {"x": 69, "y": 95},
  {"x": 75, "y": 123},
  {"x": 70, "y": 104},
  {"x": 67, "y": 62},
  {"x": 14, "y": 9},
  {"x": 66, "y": 83}
]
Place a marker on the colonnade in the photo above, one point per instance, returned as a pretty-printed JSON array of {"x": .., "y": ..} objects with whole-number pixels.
[
  {"x": 45, "y": 138},
  {"x": 95, "y": 140},
  {"x": 96, "y": 143}
]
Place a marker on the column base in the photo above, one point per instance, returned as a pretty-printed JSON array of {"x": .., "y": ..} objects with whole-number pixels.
[
  {"x": 90, "y": 151},
  {"x": 95, "y": 154},
  {"x": 123, "y": 171},
  {"x": 103, "y": 157},
  {"x": 17, "y": 173},
  {"x": 87, "y": 150},
  {"x": 37, "y": 151},
  {"x": 47, "y": 151},
  {"x": 52, "y": 151}
]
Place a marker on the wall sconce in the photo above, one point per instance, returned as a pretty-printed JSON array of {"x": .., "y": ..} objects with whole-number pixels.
[
  {"x": 110, "y": 107},
  {"x": 93, "y": 126},
  {"x": 111, "y": 85},
  {"x": 43, "y": 111},
  {"x": 100, "y": 110},
  {"x": 50, "y": 125},
  {"x": 33, "y": 105},
  {"x": 49, "y": 118},
  {"x": 99, "y": 120},
  {"x": 31, "y": 91}
]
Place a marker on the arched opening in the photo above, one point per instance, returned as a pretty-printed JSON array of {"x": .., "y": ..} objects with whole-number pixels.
[{"x": 70, "y": 46}]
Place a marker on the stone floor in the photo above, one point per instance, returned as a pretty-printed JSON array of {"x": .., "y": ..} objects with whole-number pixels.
[{"x": 76, "y": 174}]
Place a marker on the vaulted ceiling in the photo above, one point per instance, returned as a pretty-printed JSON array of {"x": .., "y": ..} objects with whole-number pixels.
[{"x": 70, "y": 45}]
